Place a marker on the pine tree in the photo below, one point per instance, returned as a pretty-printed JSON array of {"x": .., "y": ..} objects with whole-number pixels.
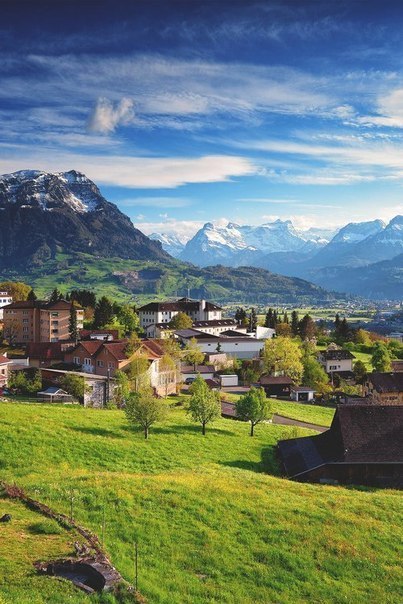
[
  {"x": 285, "y": 318},
  {"x": 294, "y": 323},
  {"x": 73, "y": 328},
  {"x": 32, "y": 296},
  {"x": 269, "y": 318},
  {"x": 55, "y": 296},
  {"x": 103, "y": 313},
  {"x": 252, "y": 320}
]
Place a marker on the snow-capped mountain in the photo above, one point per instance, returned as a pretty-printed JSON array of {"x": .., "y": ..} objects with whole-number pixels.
[
  {"x": 170, "y": 243},
  {"x": 236, "y": 245},
  {"x": 354, "y": 232},
  {"x": 41, "y": 213}
]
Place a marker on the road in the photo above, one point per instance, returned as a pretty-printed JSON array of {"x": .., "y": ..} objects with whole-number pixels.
[{"x": 286, "y": 421}]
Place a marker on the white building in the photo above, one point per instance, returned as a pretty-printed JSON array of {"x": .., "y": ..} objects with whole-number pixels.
[
  {"x": 214, "y": 327},
  {"x": 162, "y": 312},
  {"x": 336, "y": 360},
  {"x": 238, "y": 346},
  {"x": 5, "y": 299}
]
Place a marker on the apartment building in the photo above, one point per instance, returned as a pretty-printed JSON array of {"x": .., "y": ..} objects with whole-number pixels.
[
  {"x": 5, "y": 299},
  {"x": 39, "y": 321},
  {"x": 162, "y": 312}
]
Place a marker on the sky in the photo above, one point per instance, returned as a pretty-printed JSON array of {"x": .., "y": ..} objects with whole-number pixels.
[{"x": 210, "y": 111}]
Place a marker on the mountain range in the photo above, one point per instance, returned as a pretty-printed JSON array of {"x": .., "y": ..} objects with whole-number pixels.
[
  {"x": 329, "y": 259},
  {"x": 57, "y": 230}
]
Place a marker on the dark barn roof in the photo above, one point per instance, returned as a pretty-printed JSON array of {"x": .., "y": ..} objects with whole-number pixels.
[
  {"x": 358, "y": 434},
  {"x": 386, "y": 382},
  {"x": 336, "y": 355}
]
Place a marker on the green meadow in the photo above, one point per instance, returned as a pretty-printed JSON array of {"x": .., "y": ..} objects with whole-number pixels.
[{"x": 214, "y": 520}]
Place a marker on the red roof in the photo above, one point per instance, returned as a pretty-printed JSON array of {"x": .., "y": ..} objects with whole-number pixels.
[
  {"x": 3, "y": 360},
  {"x": 91, "y": 346},
  {"x": 44, "y": 350}
]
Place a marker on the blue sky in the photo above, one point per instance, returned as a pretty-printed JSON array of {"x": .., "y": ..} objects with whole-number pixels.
[{"x": 189, "y": 112}]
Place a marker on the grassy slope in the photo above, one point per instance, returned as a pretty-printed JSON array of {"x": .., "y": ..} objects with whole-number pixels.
[
  {"x": 313, "y": 414},
  {"x": 212, "y": 526}
]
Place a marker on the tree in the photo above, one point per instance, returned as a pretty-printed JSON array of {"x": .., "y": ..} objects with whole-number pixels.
[
  {"x": 180, "y": 321},
  {"x": 285, "y": 318},
  {"x": 122, "y": 388},
  {"x": 55, "y": 296},
  {"x": 18, "y": 290},
  {"x": 192, "y": 353},
  {"x": 25, "y": 382},
  {"x": 74, "y": 385},
  {"x": 314, "y": 375},
  {"x": 204, "y": 405},
  {"x": 381, "y": 358},
  {"x": 129, "y": 319},
  {"x": 294, "y": 323},
  {"x": 103, "y": 313},
  {"x": 138, "y": 372},
  {"x": 269, "y": 320},
  {"x": 283, "y": 355},
  {"x": 84, "y": 297},
  {"x": 252, "y": 320},
  {"x": 240, "y": 316},
  {"x": 284, "y": 330},
  {"x": 144, "y": 409},
  {"x": 167, "y": 367},
  {"x": 32, "y": 296},
  {"x": 360, "y": 371},
  {"x": 253, "y": 407},
  {"x": 73, "y": 327},
  {"x": 307, "y": 328}
]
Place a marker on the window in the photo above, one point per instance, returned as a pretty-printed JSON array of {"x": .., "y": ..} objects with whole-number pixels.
[
  {"x": 111, "y": 365},
  {"x": 77, "y": 360},
  {"x": 54, "y": 314},
  {"x": 87, "y": 362},
  {"x": 100, "y": 363},
  {"x": 25, "y": 320},
  {"x": 55, "y": 323},
  {"x": 25, "y": 329}
]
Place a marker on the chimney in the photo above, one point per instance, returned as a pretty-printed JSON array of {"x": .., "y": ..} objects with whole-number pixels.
[{"x": 202, "y": 305}]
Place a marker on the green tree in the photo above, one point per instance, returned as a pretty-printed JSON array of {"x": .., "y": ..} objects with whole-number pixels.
[
  {"x": 314, "y": 375},
  {"x": 360, "y": 371},
  {"x": 283, "y": 355},
  {"x": 32, "y": 296},
  {"x": 284, "y": 330},
  {"x": 73, "y": 326},
  {"x": 144, "y": 409},
  {"x": 294, "y": 323},
  {"x": 252, "y": 320},
  {"x": 253, "y": 407},
  {"x": 103, "y": 313},
  {"x": 55, "y": 296},
  {"x": 269, "y": 319},
  {"x": 180, "y": 321},
  {"x": 138, "y": 372},
  {"x": 381, "y": 358},
  {"x": 129, "y": 319},
  {"x": 122, "y": 388},
  {"x": 192, "y": 353},
  {"x": 204, "y": 404},
  {"x": 74, "y": 385},
  {"x": 240, "y": 316}
]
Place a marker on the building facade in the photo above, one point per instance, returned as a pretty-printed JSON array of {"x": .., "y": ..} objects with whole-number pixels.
[
  {"x": 162, "y": 312},
  {"x": 38, "y": 321},
  {"x": 385, "y": 388},
  {"x": 5, "y": 299}
]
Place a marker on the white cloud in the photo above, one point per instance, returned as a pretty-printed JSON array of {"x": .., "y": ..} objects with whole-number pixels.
[
  {"x": 136, "y": 172},
  {"x": 156, "y": 202},
  {"x": 106, "y": 116}
]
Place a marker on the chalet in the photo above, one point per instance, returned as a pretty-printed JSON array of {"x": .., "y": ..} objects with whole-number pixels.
[
  {"x": 385, "y": 388},
  {"x": 362, "y": 446},
  {"x": 162, "y": 312},
  {"x": 336, "y": 361},
  {"x": 4, "y": 368},
  {"x": 276, "y": 385},
  {"x": 39, "y": 321}
]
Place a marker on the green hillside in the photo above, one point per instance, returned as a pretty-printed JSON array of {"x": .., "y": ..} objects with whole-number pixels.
[
  {"x": 143, "y": 280},
  {"x": 213, "y": 519}
]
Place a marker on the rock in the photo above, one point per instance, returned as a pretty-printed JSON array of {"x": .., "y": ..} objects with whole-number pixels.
[{"x": 6, "y": 518}]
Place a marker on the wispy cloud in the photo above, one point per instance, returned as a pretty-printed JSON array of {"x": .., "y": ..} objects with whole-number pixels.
[
  {"x": 137, "y": 172},
  {"x": 156, "y": 202}
]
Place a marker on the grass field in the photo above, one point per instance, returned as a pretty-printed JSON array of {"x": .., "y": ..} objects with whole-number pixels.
[
  {"x": 214, "y": 521},
  {"x": 313, "y": 414}
]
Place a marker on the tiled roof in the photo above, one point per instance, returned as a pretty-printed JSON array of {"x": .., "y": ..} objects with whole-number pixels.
[
  {"x": 91, "y": 346},
  {"x": 3, "y": 360},
  {"x": 275, "y": 379},
  {"x": 387, "y": 382},
  {"x": 45, "y": 350},
  {"x": 336, "y": 355},
  {"x": 43, "y": 304}
]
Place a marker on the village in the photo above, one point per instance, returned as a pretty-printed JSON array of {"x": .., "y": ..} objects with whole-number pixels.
[{"x": 75, "y": 348}]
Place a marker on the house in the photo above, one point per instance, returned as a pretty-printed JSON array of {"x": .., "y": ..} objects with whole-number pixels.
[
  {"x": 4, "y": 369},
  {"x": 190, "y": 371},
  {"x": 99, "y": 334},
  {"x": 363, "y": 446},
  {"x": 105, "y": 358},
  {"x": 98, "y": 389},
  {"x": 46, "y": 354},
  {"x": 385, "y": 388},
  {"x": 397, "y": 366},
  {"x": 162, "y": 312},
  {"x": 276, "y": 385},
  {"x": 5, "y": 300},
  {"x": 239, "y": 346},
  {"x": 39, "y": 321},
  {"x": 302, "y": 394},
  {"x": 337, "y": 361}
]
